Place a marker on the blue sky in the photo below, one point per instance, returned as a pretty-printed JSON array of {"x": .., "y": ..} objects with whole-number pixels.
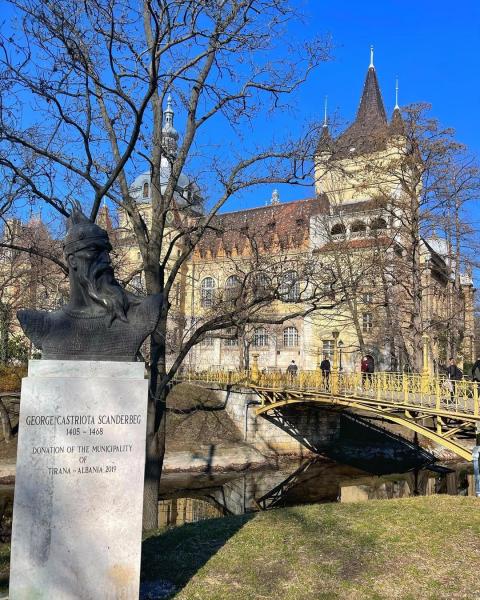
[{"x": 432, "y": 46}]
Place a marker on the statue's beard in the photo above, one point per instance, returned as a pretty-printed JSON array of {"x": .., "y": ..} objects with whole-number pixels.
[{"x": 102, "y": 287}]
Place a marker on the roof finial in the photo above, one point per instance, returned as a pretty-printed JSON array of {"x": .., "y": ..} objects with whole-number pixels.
[
  {"x": 275, "y": 199},
  {"x": 325, "y": 112},
  {"x": 169, "y": 133},
  {"x": 396, "y": 94},
  {"x": 371, "y": 66}
]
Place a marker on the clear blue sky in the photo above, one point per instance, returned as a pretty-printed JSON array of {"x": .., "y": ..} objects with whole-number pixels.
[{"x": 433, "y": 47}]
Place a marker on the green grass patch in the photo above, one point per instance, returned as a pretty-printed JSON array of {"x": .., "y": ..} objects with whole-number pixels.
[
  {"x": 408, "y": 549},
  {"x": 416, "y": 548}
]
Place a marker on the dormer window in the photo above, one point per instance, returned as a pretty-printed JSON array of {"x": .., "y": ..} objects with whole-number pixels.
[
  {"x": 146, "y": 191},
  {"x": 338, "y": 229},
  {"x": 378, "y": 223}
]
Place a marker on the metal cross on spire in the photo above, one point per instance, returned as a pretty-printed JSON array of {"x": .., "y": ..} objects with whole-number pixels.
[
  {"x": 396, "y": 94},
  {"x": 371, "y": 66},
  {"x": 325, "y": 112}
]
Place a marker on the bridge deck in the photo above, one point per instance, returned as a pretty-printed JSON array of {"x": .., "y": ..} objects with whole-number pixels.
[{"x": 444, "y": 411}]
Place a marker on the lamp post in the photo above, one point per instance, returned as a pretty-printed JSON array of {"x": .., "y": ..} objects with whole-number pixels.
[
  {"x": 335, "y": 335},
  {"x": 340, "y": 347},
  {"x": 425, "y": 381}
]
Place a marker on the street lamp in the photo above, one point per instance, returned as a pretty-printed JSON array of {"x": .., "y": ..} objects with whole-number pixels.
[
  {"x": 335, "y": 334},
  {"x": 334, "y": 387},
  {"x": 340, "y": 346}
]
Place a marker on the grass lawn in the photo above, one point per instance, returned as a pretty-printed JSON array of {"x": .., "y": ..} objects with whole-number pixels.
[
  {"x": 415, "y": 548},
  {"x": 426, "y": 547}
]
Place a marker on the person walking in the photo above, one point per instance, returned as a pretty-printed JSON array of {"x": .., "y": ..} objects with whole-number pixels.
[
  {"x": 292, "y": 370},
  {"x": 476, "y": 371},
  {"x": 326, "y": 368},
  {"x": 454, "y": 374},
  {"x": 367, "y": 367}
]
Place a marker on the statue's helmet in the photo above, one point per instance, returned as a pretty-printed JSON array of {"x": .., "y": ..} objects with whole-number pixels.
[{"x": 82, "y": 232}]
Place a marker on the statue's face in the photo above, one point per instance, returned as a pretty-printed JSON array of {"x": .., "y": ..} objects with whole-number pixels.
[
  {"x": 91, "y": 267},
  {"x": 92, "y": 260}
]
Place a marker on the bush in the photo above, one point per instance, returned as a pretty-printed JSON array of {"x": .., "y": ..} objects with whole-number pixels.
[
  {"x": 17, "y": 350},
  {"x": 11, "y": 378}
]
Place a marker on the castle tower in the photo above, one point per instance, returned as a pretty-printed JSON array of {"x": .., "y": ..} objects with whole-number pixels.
[
  {"x": 341, "y": 164},
  {"x": 169, "y": 133}
]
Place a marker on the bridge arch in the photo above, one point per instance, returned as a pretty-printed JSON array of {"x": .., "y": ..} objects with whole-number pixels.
[{"x": 409, "y": 421}]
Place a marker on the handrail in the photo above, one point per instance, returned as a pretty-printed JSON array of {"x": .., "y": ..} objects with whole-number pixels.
[{"x": 407, "y": 389}]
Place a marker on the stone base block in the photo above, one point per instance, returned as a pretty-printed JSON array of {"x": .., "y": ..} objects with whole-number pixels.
[{"x": 79, "y": 487}]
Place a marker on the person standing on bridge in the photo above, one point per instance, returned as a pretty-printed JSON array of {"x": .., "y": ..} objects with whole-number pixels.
[
  {"x": 476, "y": 371},
  {"x": 292, "y": 370},
  {"x": 454, "y": 374},
  {"x": 367, "y": 367},
  {"x": 325, "y": 367}
]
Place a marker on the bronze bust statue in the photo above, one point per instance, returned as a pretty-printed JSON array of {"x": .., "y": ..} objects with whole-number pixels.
[{"x": 101, "y": 320}]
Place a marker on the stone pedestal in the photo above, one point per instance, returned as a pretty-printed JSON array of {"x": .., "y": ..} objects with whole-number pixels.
[{"x": 79, "y": 485}]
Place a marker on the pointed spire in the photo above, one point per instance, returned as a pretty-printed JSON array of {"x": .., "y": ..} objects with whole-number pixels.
[
  {"x": 275, "y": 199},
  {"x": 371, "y": 110},
  {"x": 325, "y": 122},
  {"x": 169, "y": 133},
  {"x": 397, "y": 126},
  {"x": 369, "y": 130},
  {"x": 325, "y": 143}
]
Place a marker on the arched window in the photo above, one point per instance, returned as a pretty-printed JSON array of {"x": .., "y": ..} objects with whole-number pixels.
[
  {"x": 289, "y": 288},
  {"x": 358, "y": 227},
  {"x": 378, "y": 223},
  {"x": 146, "y": 191},
  {"x": 338, "y": 229},
  {"x": 233, "y": 287},
  {"x": 261, "y": 283},
  {"x": 207, "y": 292},
  {"x": 290, "y": 337},
  {"x": 260, "y": 337}
]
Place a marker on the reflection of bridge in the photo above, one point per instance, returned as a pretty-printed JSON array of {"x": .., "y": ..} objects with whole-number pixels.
[{"x": 445, "y": 412}]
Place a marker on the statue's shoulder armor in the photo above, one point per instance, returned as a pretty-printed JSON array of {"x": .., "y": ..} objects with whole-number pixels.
[
  {"x": 147, "y": 310},
  {"x": 35, "y": 324}
]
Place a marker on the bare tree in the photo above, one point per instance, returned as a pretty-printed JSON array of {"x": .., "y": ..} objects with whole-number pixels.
[
  {"x": 423, "y": 175},
  {"x": 94, "y": 76}
]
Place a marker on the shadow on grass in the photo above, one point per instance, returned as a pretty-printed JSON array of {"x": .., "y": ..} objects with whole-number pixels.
[
  {"x": 175, "y": 555},
  {"x": 312, "y": 542}
]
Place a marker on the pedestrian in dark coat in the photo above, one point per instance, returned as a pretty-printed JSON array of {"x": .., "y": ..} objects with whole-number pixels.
[
  {"x": 292, "y": 370},
  {"x": 476, "y": 371},
  {"x": 454, "y": 374},
  {"x": 367, "y": 367},
  {"x": 325, "y": 367}
]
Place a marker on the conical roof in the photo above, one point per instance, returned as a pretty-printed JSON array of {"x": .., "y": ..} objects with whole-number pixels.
[
  {"x": 397, "y": 126},
  {"x": 325, "y": 143},
  {"x": 369, "y": 131}
]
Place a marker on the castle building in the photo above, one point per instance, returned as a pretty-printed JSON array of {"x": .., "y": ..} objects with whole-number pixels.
[
  {"x": 345, "y": 251},
  {"x": 353, "y": 228}
]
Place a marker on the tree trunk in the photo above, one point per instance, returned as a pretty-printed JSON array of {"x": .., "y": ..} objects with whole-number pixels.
[
  {"x": 6, "y": 424},
  {"x": 153, "y": 469},
  {"x": 3, "y": 333}
]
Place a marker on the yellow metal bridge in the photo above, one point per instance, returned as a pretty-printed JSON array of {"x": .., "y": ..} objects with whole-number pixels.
[{"x": 443, "y": 411}]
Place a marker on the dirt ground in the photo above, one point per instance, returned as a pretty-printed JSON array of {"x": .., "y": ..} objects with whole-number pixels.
[{"x": 195, "y": 417}]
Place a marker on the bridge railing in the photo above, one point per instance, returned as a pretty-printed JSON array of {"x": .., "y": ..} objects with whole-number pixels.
[{"x": 411, "y": 389}]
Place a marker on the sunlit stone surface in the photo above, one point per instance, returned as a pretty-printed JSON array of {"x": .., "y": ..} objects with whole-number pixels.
[{"x": 79, "y": 483}]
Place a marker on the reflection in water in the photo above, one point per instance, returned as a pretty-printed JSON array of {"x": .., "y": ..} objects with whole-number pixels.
[
  {"x": 189, "y": 497},
  {"x": 6, "y": 510}
]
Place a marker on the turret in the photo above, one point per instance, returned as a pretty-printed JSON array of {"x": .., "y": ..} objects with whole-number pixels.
[{"x": 169, "y": 133}]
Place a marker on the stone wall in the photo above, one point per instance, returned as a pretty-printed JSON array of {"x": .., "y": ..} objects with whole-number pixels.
[{"x": 298, "y": 430}]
